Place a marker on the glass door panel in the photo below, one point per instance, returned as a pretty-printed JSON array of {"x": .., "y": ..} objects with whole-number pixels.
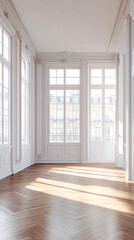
[{"x": 102, "y": 91}]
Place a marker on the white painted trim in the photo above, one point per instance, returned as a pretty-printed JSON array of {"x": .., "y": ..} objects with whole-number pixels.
[
  {"x": 119, "y": 34},
  {"x": 53, "y": 162},
  {"x": 102, "y": 87},
  {"x": 118, "y": 24},
  {"x": 5, "y": 146},
  {"x": 64, "y": 57},
  {"x": 6, "y": 24},
  {"x": 5, "y": 174},
  {"x": 14, "y": 18},
  {"x": 22, "y": 166}
]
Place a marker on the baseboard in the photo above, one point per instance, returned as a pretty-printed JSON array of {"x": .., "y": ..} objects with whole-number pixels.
[
  {"x": 22, "y": 167},
  {"x": 52, "y": 162},
  {"x": 104, "y": 162},
  {"x": 5, "y": 174}
]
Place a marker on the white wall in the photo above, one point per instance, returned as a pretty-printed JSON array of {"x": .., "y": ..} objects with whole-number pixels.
[
  {"x": 15, "y": 157},
  {"x": 121, "y": 117},
  {"x": 124, "y": 46}
]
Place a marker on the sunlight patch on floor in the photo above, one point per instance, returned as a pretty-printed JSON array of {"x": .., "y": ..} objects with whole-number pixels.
[
  {"x": 92, "y": 194},
  {"x": 90, "y": 175}
]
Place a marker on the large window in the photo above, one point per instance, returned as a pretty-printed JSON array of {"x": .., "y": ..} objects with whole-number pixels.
[
  {"x": 102, "y": 104},
  {"x": 25, "y": 100},
  {"x": 4, "y": 86},
  {"x": 64, "y": 105}
]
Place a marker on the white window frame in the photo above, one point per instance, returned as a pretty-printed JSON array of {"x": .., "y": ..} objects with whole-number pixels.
[
  {"x": 62, "y": 87},
  {"x": 7, "y": 63},
  {"x": 103, "y": 87}
]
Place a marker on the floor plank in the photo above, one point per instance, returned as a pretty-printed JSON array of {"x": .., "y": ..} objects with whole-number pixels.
[{"x": 67, "y": 202}]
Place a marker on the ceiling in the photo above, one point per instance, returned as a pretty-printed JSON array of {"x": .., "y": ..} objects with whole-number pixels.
[{"x": 69, "y": 25}]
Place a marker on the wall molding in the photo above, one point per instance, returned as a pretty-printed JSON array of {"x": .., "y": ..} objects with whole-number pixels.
[
  {"x": 74, "y": 56},
  {"x": 126, "y": 8},
  {"x": 56, "y": 161},
  {"x": 22, "y": 166},
  {"x": 5, "y": 174},
  {"x": 14, "y": 19}
]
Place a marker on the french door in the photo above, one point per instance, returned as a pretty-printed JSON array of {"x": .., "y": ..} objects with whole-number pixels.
[{"x": 102, "y": 102}]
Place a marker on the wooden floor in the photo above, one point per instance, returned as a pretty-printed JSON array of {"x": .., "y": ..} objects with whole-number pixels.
[{"x": 67, "y": 202}]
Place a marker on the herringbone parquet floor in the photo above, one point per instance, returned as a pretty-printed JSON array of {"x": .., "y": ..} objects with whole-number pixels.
[{"x": 67, "y": 202}]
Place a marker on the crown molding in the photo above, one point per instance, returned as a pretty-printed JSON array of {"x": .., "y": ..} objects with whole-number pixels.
[
  {"x": 74, "y": 56},
  {"x": 132, "y": 9},
  {"x": 14, "y": 18},
  {"x": 119, "y": 25},
  {"x": 5, "y": 23}
]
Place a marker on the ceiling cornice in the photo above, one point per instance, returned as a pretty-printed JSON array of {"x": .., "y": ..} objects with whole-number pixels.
[
  {"x": 76, "y": 56},
  {"x": 14, "y": 18},
  {"x": 121, "y": 17}
]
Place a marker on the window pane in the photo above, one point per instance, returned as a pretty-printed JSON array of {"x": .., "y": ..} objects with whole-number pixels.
[
  {"x": 60, "y": 81},
  {"x": 53, "y": 73},
  {"x": 109, "y": 132},
  {"x": 110, "y": 76},
  {"x": 73, "y": 116},
  {"x": 6, "y": 46},
  {"x": 96, "y": 132},
  {"x": 95, "y": 73},
  {"x": 110, "y": 73},
  {"x": 73, "y": 76},
  {"x": 6, "y": 77},
  {"x": 6, "y": 41},
  {"x": 6, "y": 98},
  {"x": 96, "y": 96},
  {"x": 96, "y": 81},
  {"x": 56, "y": 76},
  {"x": 6, "y": 137},
  {"x": 60, "y": 73},
  {"x": 109, "y": 114},
  {"x": 110, "y": 96},
  {"x": 4, "y": 87},
  {"x": 73, "y": 73},
  {"x": 52, "y": 81},
  {"x": 6, "y": 54},
  {"x": 96, "y": 76},
  {"x": 72, "y": 81},
  {"x": 96, "y": 113},
  {"x": 57, "y": 116}
]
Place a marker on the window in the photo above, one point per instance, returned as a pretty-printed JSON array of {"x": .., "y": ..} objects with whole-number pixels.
[
  {"x": 73, "y": 116},
  {"x": 64, "y": 105},
  {"x": 25, "y": 100},
  {"x": 102, "y": 103},
  {"x": 96, "y": 76},
  {"x": 56, "y": 115},
  {"x": 110, "y": 76},
  {"x": 4, "y": 86}
]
